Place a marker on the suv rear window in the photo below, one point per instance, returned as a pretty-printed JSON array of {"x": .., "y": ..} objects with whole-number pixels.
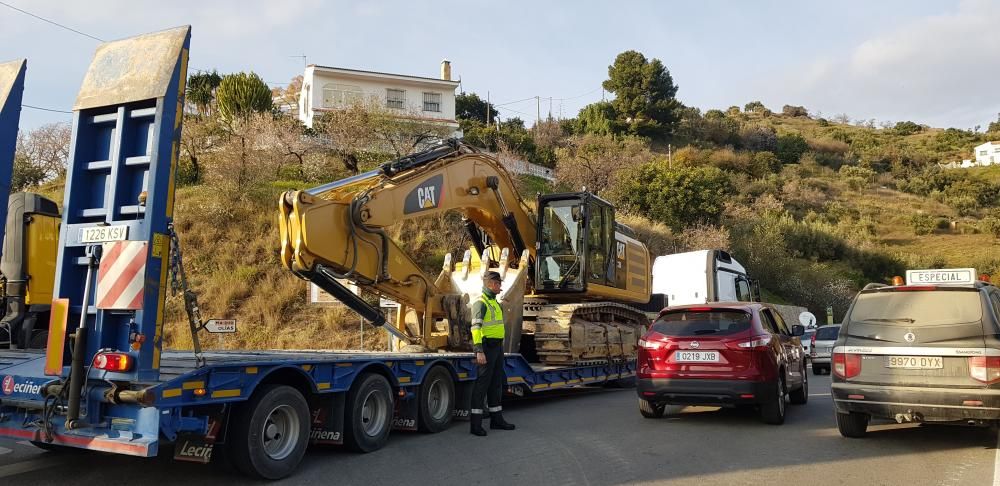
[
  {"x": 686, "y": 323},
  {"x": 918, "y": 307},
  {"x": 827, "y": 333}
]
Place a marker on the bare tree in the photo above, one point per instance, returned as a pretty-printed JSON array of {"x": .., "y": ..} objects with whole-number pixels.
[
  {"x": 46, "y": 148},
  {"x": 364, "y": 130},
  {"x": 594, "y": 161}
]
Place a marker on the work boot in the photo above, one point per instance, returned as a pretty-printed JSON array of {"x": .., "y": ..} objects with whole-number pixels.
[
  {"x": 476, "y": 422},
  {"x": 498, "y": 423}
]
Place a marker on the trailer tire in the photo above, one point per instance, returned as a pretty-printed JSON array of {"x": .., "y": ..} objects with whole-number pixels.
[
  {"x": 437, "y": 400},
  {"x": 368, "y": 415},
  {"x": 268, "y": 435}
]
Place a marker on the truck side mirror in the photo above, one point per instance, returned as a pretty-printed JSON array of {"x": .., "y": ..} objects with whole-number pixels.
[
  {"x": 798, "y": 330},
  {"x": 755, "y": 290}
]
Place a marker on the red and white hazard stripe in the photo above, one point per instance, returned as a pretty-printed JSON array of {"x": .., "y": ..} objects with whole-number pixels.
[{"x": 121, "y": 275}]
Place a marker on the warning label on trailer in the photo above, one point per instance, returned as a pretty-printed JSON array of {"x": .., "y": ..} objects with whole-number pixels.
[{"x": 121, "y": 276}]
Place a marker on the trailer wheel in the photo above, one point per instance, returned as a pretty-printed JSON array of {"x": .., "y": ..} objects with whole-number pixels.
[
  {"x": 368, "y": 418},
  {"x": 437, "y": 400},
  {"x": 269, "y": 434}
]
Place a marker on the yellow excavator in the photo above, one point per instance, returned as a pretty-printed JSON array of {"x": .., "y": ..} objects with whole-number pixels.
[{"x": 573, "y": 278}]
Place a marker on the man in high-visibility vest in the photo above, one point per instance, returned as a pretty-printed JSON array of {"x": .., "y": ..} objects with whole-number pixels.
[{"x": 487, "y": 342}]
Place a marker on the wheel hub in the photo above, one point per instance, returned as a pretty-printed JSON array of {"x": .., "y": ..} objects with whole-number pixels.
[{"x": 280, "y": 432}]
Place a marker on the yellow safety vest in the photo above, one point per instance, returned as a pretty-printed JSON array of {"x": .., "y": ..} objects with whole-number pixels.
[{"x": 488, "y": 322}]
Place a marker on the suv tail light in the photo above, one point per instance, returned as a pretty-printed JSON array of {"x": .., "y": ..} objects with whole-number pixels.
[
  {"x": 846, "y": 365},
  {"x": 113, "y": 362},
  {"x": 812, "y": 344},
  {"x": 756, "y": 342},
  {"x": 985, "y": 369},
  {"x": 652, "y": 341}
]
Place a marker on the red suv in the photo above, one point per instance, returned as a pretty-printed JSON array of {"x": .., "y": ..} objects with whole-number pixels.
[{"x": 725, "y": 354}]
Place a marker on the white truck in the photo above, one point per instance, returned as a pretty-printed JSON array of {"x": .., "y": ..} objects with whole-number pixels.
[{"x": 703, "y": 276}]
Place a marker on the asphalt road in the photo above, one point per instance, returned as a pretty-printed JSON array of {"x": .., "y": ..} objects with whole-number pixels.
[{"x": 592, "y": 437}]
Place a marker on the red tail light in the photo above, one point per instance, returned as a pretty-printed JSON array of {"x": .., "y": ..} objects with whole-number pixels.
[
  {"x": 113, "y": 362},
  {"x": 985, "y": 369},
  {"x": 756, "y": 342},
  {"x": 846, "y": 365},
  {"x": 699, "y": 309},
  {"x": 812, "y": 341}
]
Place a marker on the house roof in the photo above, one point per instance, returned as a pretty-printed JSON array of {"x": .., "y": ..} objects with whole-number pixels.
[{"x": 377, "y": 74}]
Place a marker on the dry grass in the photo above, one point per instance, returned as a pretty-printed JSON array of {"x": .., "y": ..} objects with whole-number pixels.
[{"x": 232, "y": 261}]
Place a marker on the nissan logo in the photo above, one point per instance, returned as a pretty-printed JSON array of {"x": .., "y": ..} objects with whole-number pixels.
[
  {"x": 910, "y": 337},
  {"x": 695, "y": 344}
]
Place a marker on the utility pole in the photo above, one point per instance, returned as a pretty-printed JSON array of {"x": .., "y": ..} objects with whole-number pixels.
[
  {"x": 487, "y": 108},
  {"x": 550, "y": 107},
  {"x": 538, "y": 112},
  {"x": 670, "y": 156}
]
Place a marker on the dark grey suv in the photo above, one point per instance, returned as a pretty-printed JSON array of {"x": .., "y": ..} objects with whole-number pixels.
[{"x": 918, "y": 353}]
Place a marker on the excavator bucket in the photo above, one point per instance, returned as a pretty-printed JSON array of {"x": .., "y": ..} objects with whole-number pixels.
[{"x": 466, "y": 281}]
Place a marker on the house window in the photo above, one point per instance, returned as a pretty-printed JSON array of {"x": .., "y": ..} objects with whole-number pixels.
[
  {"x": 996, "y": 150},
  {"x": 395, "y": 98},
  {"x": 340, "y": 95},
  {"x": 432, "y": 102},
  {"x": 982, "y": 152}
]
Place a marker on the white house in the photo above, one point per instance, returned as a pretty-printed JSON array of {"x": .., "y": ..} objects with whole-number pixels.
[
  {"x": 988, "y": 153},
  {"x": 420, "y": 98}
]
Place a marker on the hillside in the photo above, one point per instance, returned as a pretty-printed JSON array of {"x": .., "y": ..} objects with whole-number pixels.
[{"x": 814, "y": 208}]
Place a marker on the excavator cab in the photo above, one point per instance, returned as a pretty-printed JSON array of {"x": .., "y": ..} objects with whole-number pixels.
[{"x": 576, "y": 238}]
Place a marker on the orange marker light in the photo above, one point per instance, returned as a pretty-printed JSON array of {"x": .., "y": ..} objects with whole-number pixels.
[
  {"x": 897, "y": 280},
  {"x": 199, "y": 392}
]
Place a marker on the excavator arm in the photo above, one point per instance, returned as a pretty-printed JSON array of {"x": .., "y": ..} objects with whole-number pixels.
[{"x": 337, "y": 231}]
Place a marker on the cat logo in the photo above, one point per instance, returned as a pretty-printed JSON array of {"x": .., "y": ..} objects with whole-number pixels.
[{"x": 425, "y": 196}]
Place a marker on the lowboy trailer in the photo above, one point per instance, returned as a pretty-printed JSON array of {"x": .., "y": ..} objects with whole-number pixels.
[{"x": 104, "y": 381}]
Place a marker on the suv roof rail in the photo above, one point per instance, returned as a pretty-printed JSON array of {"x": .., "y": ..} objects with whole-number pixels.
[{"x": 874, "y": 285}]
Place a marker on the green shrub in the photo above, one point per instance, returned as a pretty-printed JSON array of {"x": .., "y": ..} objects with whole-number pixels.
[
  {"x": 990, "y": 225},
  {"x": 922, "y": 224}
]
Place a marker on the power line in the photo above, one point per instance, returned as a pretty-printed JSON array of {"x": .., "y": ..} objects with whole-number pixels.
[
  {"x": 45, "y": 109},
  {"x": 515, "y": 111},
  {"x": 550, "y": 97},
  {"x": 577, "y": 96},
  {"x": 57, "y": 24},
  {"x": 514, "y": 102}
]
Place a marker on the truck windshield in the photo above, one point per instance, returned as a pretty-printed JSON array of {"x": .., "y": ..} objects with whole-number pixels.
[
  {"x": 918, "y": 308},
  {"x": 560, "y": 254}
]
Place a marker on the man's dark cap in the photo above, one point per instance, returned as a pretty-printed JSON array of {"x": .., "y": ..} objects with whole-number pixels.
[{"x": 492, "y": 276}]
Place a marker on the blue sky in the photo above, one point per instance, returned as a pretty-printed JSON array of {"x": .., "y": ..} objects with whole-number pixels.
[{"x": 930, "y": 62}]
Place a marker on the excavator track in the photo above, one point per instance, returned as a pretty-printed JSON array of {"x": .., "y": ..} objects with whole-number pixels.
[{"x": 573, "y": 333}]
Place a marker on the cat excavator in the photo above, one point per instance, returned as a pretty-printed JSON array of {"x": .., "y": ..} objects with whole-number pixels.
[{"x": 573, "y": 278}]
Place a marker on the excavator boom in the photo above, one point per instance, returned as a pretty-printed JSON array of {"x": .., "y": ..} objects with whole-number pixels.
[{"x": 337, "y": 231}]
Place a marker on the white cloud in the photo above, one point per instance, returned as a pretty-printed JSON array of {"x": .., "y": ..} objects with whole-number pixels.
[{"x": 942, "y": 70}]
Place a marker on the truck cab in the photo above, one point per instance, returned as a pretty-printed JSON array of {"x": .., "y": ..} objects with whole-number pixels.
[{"x": 700, "y": 277}]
